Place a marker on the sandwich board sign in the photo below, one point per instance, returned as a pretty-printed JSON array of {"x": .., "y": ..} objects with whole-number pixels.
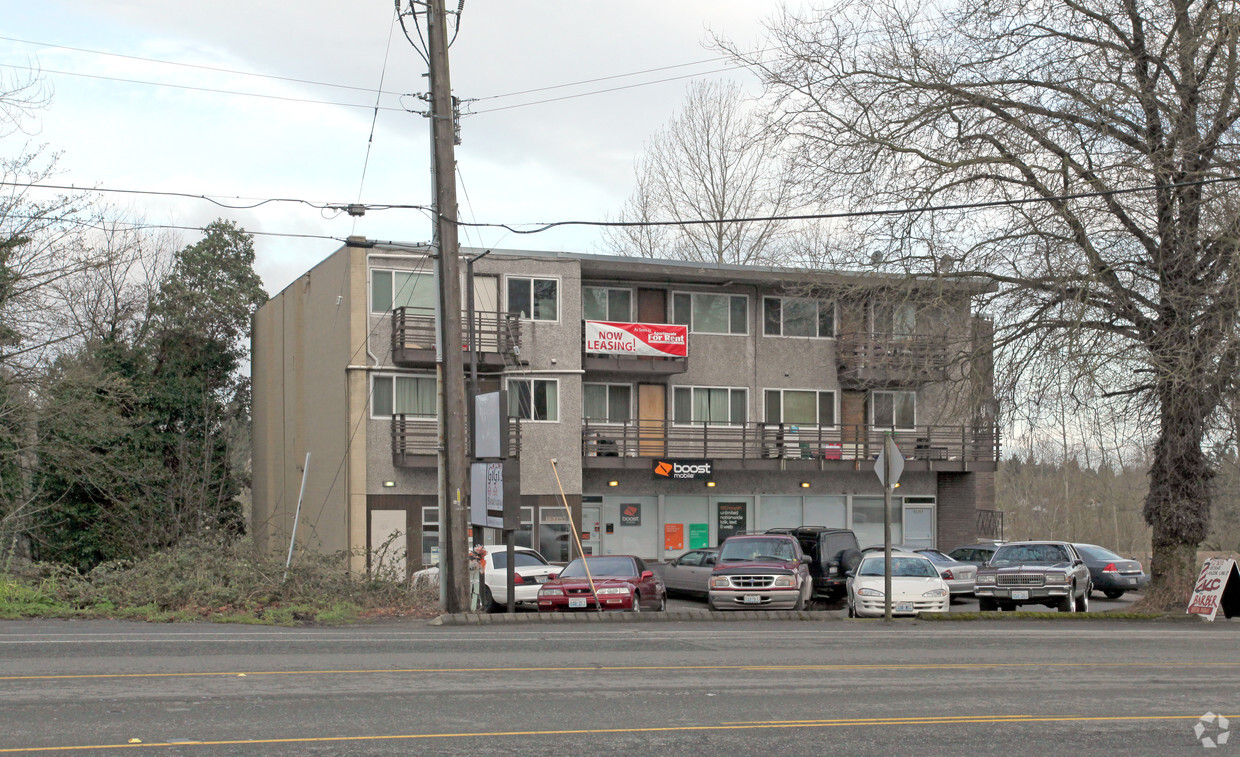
[{"x": 1218, "y": 585}]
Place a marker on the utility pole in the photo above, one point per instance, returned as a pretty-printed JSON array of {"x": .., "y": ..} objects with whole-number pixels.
[{"x": 453, "y": 524}]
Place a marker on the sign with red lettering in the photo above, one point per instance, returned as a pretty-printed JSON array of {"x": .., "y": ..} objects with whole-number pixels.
[
  {"x": 649, "y": 339},
  {"x": 1211, "y": 582}
]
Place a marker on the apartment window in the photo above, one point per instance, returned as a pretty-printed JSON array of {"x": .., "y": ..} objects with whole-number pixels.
[
  {"x": 711, "y": 313},
  {"x": 403, "y": 395},
  {"x": 800, "y": 407},
  {"x": 396, "y": 289},
  {"x": 893, "y": 409},
  {"x": 534, "y": 299},
  {"x": 608, "y": 402},
  {"x": 896, "y": 319},
  {"x": 606, "y": 304},
  {"x": 704, "y": 404},
  {"x": 534, "y": 399},
  {"x": 797, "y": 316},
  {"x": 430, "y": 535}
]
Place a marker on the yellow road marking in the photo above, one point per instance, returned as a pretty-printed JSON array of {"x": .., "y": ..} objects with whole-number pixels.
[
  {"x": 626, "y": 668},
  {"x": 928, "y": 720}
]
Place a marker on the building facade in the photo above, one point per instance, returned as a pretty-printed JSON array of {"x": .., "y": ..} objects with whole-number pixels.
[{"x": 772, "y": 416}]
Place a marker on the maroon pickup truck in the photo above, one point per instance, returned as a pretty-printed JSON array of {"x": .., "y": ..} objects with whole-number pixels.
[{"x": 760, "y": 572}]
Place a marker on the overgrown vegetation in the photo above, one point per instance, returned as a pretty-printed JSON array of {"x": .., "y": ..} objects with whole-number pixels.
[{"x": 216, "y": 580}]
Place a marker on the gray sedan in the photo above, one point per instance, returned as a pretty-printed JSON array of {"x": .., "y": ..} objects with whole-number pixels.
[
  {"x": 690, "y": 573},
  {"x": 958, "y": 575}
]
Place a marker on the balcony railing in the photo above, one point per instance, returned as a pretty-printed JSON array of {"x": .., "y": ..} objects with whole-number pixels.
[
  {"x": 414, "y": 335},
  {"x": 875, "y": 359},
  {"x": 762, "y": 441},
  {"x": 990, "y": 524},
  {"x": 415, "y": 440}
]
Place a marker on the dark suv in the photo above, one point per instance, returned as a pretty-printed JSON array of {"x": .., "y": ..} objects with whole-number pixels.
[
  {"x": 760, "y": 571},
  {"x": 832, "y": 553}
]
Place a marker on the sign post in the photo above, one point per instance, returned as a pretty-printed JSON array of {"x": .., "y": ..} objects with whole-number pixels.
[{"x": 888, "y": 467}]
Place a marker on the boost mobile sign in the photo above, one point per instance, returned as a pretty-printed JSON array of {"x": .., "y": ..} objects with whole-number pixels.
[{"x": 683, "y": 470}]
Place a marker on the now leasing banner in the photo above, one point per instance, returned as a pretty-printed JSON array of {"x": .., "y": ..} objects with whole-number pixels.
[{"x": 654, "y": 339}]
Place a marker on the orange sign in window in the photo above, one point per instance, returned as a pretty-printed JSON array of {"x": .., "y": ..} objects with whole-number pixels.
[{"x": 674, "y": 536}]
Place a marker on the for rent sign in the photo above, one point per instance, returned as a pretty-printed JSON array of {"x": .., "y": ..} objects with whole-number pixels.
[
  {"x": 652, "y": 339},
  {"x": 1218, "y": 585}
]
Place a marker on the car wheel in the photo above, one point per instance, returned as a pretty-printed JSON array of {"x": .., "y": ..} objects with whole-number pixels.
[
  {"x": 1082, "y": 602},
  {"x": 1068, "y": 603},
  {"x": 662, "y": 604},
  {"x": 800, "y": 605},
  {"x": 985, "y": 604},
  {"x": 637, "y": 602},
  {"x": 487, "y": 602},
  {"x": 1113, "y": 593}
]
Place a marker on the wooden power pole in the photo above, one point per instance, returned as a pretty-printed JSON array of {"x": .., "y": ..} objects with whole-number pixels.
[{"x": 453, "y": 523}]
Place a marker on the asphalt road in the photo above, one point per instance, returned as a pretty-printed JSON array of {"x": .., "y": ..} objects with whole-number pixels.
[{"x": 735, "y": 687}]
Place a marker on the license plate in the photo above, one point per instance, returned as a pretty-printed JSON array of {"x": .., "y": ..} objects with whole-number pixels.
[
  {"x": 753, "y": 599},
  {"x": 1016, "y": 594},
  {"x": 904, "y": 607},
  {"x": 576, "y": 601},
  {"x": 1132, "y": 580}
]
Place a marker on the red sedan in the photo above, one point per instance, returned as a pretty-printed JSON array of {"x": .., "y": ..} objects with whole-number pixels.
[{"x": 621, "y": 582}]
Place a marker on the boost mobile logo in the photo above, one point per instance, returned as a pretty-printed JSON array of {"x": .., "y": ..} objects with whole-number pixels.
[
  {"x": 663, "y": 469},
  {"x": 671, "y": 469}
]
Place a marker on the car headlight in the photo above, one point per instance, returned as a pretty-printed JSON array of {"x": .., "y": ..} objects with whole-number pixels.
[
  {"x": 1057, "y": 578},
  {"x": 985, "y": 579},
  {"x": 613, "y": 590},
  {"x": 869, "y": 593},
  {"x": 551, "y": 592},
  {"x": 720, "y": 582},
  {"x": 935, "y": 593},
  {"x": 784, "y": 581}
]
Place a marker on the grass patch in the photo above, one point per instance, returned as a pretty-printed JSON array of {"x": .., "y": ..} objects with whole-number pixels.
[{"x": 223, "y": 582}]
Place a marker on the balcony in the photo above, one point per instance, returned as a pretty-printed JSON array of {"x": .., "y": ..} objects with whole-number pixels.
[
  {"x": 868, "y": 361},
  {"x": 413, "y": 338},
  {"x": 641, "y": 354},
  {"x": 780, "y": 447},
  {"x": 415, "y": 441}
]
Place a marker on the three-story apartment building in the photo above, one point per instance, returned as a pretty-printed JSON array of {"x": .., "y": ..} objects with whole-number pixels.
[{"x": 767, "y": 410}]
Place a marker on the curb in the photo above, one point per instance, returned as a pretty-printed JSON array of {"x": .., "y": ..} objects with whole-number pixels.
[{"x": 524, "y": 618}]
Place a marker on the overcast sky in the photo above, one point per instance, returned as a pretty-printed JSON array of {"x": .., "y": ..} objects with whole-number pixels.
[{"x": 568, "y": 159}]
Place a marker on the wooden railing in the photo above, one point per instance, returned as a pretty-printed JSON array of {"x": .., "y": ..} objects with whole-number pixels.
[
  {"x": 756, "y": 441},
  {"x": 414, "y": 328},
  {"x": 419, "y": 435},
  {"x": 893, "y": 351},
  {"x": 990, "y": 524}
]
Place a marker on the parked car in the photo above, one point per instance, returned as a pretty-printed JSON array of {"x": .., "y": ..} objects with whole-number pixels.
[
  {"x": 916, "y": 586},
  {"x": 975, "y": 554},
  {"x": 613, "y": 582},
  {"x": 1111, "y": 574},
  {"x": 832, "y": 553},
  {"x": 689, "y": 573},
  {"x": 1049, "y": 573},
  {"x": 894, "y": 548},
  {"x": 959, "y": 576},
  {"x": 760, "y": 571},
  {"x": 530, "y": 572}
]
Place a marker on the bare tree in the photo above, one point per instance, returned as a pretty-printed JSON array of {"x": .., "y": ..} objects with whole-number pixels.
[
  {"x": 713, "y": 162},
  {"x": 1105, "y": 135}
]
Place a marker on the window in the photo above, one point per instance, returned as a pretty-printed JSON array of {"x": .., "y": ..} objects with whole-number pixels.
[
  {"x": 608, "y": 402},
  {"x": 797, "y": 316},
  {"x": 403, "y": 395},
  {"x": 534, "y": 299},
  {"x": 800, "y": 407},
  {"x": 430, "y": 536},
  {"x": 717, "y": 405},
  {"x": 534, "y": 399},
  {"x": 525, "y": 534},
  {"x": 711, "y": 313},
  {"x": 603, "y": 304},
  {"x": 395, "y": 289},
  {"x": 896, "y": 319},
  {"x": 893, "y": 409}
]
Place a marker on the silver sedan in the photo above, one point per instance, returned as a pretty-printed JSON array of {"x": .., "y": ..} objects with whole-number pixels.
[
  {"x": 690, "y": 573},
  {"x": 959, "y": 576}
]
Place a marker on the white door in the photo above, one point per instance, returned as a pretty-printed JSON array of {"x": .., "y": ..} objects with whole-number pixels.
[
  {"x": 591, "y": 542},
  {"x": 919, "y": 526},
  {"x": 486, "y": 308}
]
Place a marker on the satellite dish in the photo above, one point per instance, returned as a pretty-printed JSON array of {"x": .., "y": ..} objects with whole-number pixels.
[
  {"x": 946, "y": 262},
  {"x": 876, "y": 258}
]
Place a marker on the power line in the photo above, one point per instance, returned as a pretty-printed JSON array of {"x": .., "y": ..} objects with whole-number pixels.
[{"x": 104, "y": 226}]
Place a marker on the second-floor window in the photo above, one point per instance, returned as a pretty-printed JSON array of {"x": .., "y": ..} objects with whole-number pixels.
[
  {"x": 403, "y": 395},
  {"x": 534, "y": 399},
  {"x": 800, "y": 407},
  {"x": 396, "y": 289},
  {"x": 797, "y": 316},
  {"x": 895, "y": 318},
  {"x": 606, "y": 304},
  {"x": 608, "y": 402},
  {"x": 535, "y": 299},
  {"x": 711, "y": 313},
  {"x": 705, "y": 404},
  {"x": 893, "y": 409}
]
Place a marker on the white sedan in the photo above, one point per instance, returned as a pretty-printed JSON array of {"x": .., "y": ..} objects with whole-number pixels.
[
  {"x": 530, "y": 572},
  {"x": 916, "y": 586}
]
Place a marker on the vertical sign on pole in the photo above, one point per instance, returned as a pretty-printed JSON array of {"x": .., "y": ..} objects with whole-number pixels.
[{"x": 888, "y": 467}]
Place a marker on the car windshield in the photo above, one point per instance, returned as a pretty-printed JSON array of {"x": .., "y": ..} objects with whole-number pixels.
[
  {"x": 741, "y": 550},
  {"x": 905, "y": 567},
  {"x": 499, "y": 559},
  {"x": 1013, "y": 554},
  {"x": 1098, "y": 553},
  {"x": 601, "y": 566}
]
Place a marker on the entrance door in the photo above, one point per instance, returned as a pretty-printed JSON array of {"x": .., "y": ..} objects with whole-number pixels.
[
  {"x": 651, "y": 420},
  {"x": 852, "y": 433},
  {"x": 591, "y": 542},
  {"x": 652, "y": 306},
  {"x": 486, "y": 306},
  {"x": 919, "y": 526}
]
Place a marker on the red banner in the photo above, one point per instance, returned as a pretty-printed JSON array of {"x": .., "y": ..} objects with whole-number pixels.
[{"x": 654, "y": 339}]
